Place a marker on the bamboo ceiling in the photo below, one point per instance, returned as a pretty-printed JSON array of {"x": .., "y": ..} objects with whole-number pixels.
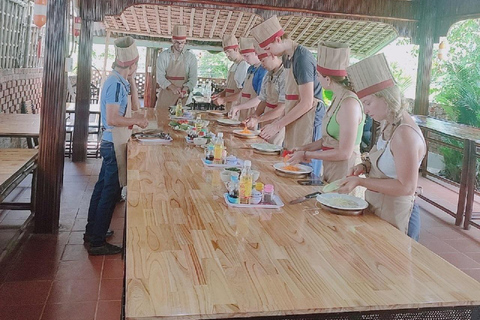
[{"x": 209, "y": 25}]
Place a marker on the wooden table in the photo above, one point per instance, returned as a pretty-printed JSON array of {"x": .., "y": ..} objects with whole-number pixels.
[
  {"x": 20, "y": 125},
  {"x": 94, "y": 108},
  {"x": 453, "y": 135},
  {"x": 189, "y": 256}
]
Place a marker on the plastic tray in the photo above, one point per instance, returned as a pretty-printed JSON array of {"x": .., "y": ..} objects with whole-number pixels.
[
  {"x": 216, "y": 165},
  {"x": 276, "y": 199}
]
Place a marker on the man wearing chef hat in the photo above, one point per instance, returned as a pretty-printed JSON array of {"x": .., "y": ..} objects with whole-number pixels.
[
  {"x": 236, "y": 74},
  {"x": 304, "y": 108},
  {"x": 176, "y": 71},
  {"x": 253, "y": 83},
  {"x": 119, "y": 95}
]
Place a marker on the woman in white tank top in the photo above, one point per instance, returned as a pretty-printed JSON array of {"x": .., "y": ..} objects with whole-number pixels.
[{"x": 392, "y": 167}]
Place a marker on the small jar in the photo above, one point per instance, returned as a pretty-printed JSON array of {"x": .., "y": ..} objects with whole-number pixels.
[{"x": 268, "y": 193}]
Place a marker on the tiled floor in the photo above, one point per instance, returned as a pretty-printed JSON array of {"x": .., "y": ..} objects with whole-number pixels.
[{"x": 52, "y": 277}]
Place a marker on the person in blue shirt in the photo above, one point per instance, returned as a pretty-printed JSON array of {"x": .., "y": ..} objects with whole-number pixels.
[
  {"x": 116, "y": 106},
  {"x": 251, "y": 88}
]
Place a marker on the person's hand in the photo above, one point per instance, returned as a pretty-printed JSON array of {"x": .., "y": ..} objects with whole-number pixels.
[
  {"x": 232, "y": 114},
  {"x": 349, "y": 183},
  {"x": 296, "y": 157},
  {"x": 251, "y": 122},
  {"x": 175, "y": 89},
  {"x": 356, "y": 170},
  {"x": 140, "y": 120},
  {"x": 185, "y": 91},
  {"x": 219, "y": 101},
  {"x": 270, "y": 130},
  {"x": 214, "y": 96}
]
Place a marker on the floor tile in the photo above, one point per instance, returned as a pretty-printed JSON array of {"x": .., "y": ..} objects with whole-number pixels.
[
  {"x": 76, "y": 270},
  {"x": 28, "y": 271},
  {"x": 29, "y": 312},
  {"x": 70, "y": 311},
  {"x": 66, "y": 291},
  {"x": 108, "y": 310},
  {"x": 75, "y": 252},
  {"x": 464, "y": 245},
  {"x": 113, "y": 269},
  {"x": 24, "y": 293},
  {"x": 459, "y": 260},
  {"x": 474, "y": 273},
  {"x": 111, "y": 289}
]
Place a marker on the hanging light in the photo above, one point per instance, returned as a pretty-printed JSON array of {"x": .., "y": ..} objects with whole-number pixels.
[
  {"x": 40, "y": 13},
  {"x": 76, "y": 26},
  {"x": 442, "y": 50}
]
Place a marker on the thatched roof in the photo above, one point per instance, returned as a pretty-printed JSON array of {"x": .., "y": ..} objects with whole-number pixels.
[{"x": 209, "y": 25}]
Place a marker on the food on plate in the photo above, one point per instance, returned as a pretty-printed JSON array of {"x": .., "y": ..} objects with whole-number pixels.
[
  {"x": 246, "y": 131},
  {"x": 341, "y": 202},
  {"x": 233, "y": 169},
  {"x": 291, "y": 168}
]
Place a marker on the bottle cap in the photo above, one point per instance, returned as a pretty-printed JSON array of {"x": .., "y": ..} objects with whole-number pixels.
[
  {"x": 259, "y": 186},
  {"x": 247, "y": 163},
  {"x": 268, "y": 188}
]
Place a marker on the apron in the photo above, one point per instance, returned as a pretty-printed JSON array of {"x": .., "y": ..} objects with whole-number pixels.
[
  {"x": 248, "y": 93},
  {"x": 272, "y": 102},
  {"x": 396, "y": 210},
  {"x": 300, "y": 131},
  {"x": 334, "y": 170},
  {"x": 176, "y": 74},
  {"x": 231, "y": 86},
  {"x": 120, "y": 139}
]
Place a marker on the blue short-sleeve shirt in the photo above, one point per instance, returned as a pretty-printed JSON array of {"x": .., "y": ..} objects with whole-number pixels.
[
  {"x": 115, "y": 90},
  {"x": 258, "y": 74}
]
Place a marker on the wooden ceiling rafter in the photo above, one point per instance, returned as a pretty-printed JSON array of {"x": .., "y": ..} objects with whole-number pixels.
[
  {"x": 227, "y": 21},
  {"x": 237, "y": 23},
  {"x": 192, "y": 21},
  {"x": 307, "y": 28},
  {"x": 202, "y": 28}
]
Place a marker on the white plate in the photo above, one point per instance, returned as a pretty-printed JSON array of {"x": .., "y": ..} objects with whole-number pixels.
[
  {"x": 224, "y": 165},
  {"x": 342, "y": 201},
  {"x": 252, "y": 134},
  {"x": 303, "y": 169},
  {"x": 153, "y": 141},
  {"x": 217, "y": 112},
  {"x": 267, "y": 147},
  {"x": 229, "y": 122},
  {"x": 278, "y": 203}
]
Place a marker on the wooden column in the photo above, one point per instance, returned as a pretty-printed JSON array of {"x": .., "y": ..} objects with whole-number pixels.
[
  {"x": 150, "y": 78},
  {"x": 425, "y": 38},
  {"x": 82, "y": 101},
  {"x": 52, "y": 128}
]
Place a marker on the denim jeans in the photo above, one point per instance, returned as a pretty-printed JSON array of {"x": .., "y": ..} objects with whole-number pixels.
[
  {"x": 414, "y": 224},
  {"x": 317, "y": 135},
  {"x": 104, "y": 197}
]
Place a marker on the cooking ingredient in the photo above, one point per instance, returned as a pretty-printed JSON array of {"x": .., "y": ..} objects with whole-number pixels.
[
  {"x": 246, "y": 183},
  {"x": 291, "y": 168},
  {"x": 246, "y": 131},
  {"x": 268, "y": 193},
  {"x": 233, "y": 188},
  {"x": 218, "y": 149},
  {"x": 179, "y": 108}
]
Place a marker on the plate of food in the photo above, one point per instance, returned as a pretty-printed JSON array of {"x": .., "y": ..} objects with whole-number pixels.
[
  {"x": 228, "y": 122},
  {"x": 246, "y": 133},
  {"x": 152, "y": 137},
  {"x": 266, "y": 147},
  {"x": 292, "y": 169},
  {"x": 342, "y": 203}
]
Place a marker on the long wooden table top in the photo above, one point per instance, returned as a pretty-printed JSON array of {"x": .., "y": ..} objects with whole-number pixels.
[
  {"x": 13, "y": 161},
  {"x": 19, "y": 125},
  {"x": 93, "y": 108},
  {"x": 189, "y": 256}
]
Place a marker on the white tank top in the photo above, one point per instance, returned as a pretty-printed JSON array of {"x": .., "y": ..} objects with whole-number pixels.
[{"x": 386, "y": 162}]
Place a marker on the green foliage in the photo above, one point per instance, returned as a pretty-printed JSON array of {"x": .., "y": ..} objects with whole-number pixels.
[
  {"x": 404, "y": 81},
  {"x": 456, "y": 86},
  {"x": 213, "y": 65}
]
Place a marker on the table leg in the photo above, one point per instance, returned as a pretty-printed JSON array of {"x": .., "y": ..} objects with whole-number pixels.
[{"x": 472, "y": 164}]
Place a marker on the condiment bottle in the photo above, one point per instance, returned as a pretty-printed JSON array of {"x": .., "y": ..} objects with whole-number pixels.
[
  {"x": 268, "y": 193},
  {"x": 209, "y": 153},
  {"x": 179, "y": 108},
  {"x": 233, "y": 188},
  {"x": 218, "y": 149},
  {"x": 198, "y": 124},
  {"x": 259, "y": 187},
  {"x": 246, "y": 183}
]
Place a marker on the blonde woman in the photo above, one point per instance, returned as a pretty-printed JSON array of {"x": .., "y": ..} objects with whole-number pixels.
[
  {"x": 392, "y": 167},
  {"x": 342, "y": 125}
]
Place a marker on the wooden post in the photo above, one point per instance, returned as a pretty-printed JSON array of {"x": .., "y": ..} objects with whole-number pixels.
[
  {"x": 150, "y": 78},
  {"x": 82, "y": 100},
  {"x": 425, "y": 38},
  {"x": 105, "y": 58},
  {"x": 52, "y": 127}
]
